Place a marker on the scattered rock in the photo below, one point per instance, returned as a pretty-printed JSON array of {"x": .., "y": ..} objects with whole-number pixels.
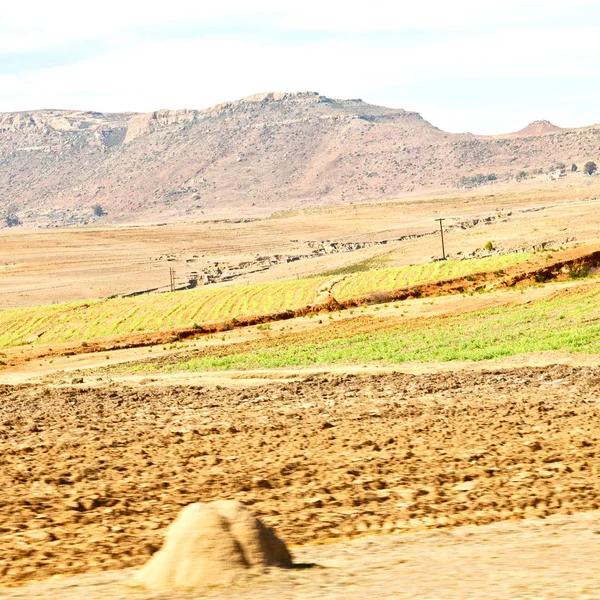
[{"x": 73, "y": 505}]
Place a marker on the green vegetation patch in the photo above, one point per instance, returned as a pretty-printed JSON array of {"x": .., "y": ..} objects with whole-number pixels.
[
  {"x": 368, "y": 264},
  {"x": 99, "y": 318},
  {"x": 569, "y": 323},
  {"x": 78, "y": 321},
  {"x": 389, "y": 279}
]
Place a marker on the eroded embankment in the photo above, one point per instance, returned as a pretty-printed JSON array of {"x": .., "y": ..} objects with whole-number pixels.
[{"x": 576, "y": 267}]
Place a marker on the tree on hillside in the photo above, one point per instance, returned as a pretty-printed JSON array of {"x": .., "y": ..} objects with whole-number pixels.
[
  {"x": 573, "y": 167},
  {"x": 98, "y": 210},
  {"x": 590, "y": 167},
  {"x": 10, "y": 216}
]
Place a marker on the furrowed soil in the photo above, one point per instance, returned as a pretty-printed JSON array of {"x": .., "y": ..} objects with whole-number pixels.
[{"x": 91, "y": 476}]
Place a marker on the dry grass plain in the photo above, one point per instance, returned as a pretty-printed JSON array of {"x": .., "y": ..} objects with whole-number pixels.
[{"x": 65, "y": 265}]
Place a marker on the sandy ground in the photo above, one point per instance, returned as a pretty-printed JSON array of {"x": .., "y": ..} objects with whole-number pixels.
[{"x": 535, "y": 559}]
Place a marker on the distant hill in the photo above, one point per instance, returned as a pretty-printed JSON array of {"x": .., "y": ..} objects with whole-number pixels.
[
  {"x": 257, "y": 155},
  {"x": 536, "y": 128}
]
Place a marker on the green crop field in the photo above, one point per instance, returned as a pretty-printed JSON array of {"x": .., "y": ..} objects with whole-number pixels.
[
  {"x": 99, "y": 318},
  {"x": 120, "y": 316},
  {"x": 367, "y": 282},
  {"x": 570, "y": 323}
]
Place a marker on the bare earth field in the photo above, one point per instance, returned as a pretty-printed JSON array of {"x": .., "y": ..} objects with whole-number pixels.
[{"x": 92, "y": 475}]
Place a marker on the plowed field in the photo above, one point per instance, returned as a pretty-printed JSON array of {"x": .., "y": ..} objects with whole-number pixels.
[{"x": 90, "y": 477}]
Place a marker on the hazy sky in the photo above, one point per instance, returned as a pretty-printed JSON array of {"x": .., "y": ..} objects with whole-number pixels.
[{"x": 485, "y": 66}]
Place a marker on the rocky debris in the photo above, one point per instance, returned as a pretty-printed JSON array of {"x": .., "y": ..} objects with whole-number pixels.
[{"x": 212, "y": 544}]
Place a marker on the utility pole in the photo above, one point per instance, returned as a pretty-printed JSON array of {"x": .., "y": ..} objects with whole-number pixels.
[
  {"x": 442, "y": 234},
  {"x": 172, "y": 276}
]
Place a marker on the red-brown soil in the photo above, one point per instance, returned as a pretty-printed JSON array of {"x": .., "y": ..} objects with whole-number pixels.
[{"x": 92, "y": 475}]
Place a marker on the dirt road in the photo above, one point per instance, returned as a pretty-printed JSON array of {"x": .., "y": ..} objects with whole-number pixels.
[{"x": 535, "y": 559}]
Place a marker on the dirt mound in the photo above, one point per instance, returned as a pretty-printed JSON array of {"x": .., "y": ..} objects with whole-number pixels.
[{"x": 212, "y": 544}]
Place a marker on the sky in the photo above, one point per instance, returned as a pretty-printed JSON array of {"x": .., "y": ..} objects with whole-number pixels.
[{"x": 485, "y": 66}]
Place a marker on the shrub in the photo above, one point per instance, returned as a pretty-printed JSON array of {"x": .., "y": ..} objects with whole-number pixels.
[
  {"x": 488, "y": 246},
  {"x": 590, "y": 167},
  {"x": 573, "y": 167},
  {"x": 10, "y": 217},
  {"x": 475, "y": 180},
  {"x": 579, "y": 271},
  {"x": 12, "y": 221},
  {"x": 98, "y": 210}
]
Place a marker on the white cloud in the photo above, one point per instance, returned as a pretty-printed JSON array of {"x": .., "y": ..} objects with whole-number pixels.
[
  {"x": 46, "y": 24},
  {"x": 135, "y": 73}
]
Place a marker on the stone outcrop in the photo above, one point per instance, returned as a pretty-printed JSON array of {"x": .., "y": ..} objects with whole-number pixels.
[{"x": 147, "y": 123}]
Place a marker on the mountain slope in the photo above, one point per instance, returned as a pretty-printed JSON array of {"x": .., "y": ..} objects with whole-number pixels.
[{"x": 260, "y": 154}]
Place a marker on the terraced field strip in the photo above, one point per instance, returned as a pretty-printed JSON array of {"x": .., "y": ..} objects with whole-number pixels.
[
  {"x": 569, "y": 321},
  {"x": 119, "y": 316},
  {"x": 82, "y": 321},
  {"x": 389, "y": 279}
]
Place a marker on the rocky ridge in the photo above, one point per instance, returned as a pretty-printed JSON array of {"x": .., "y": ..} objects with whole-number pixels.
[{"x": 254, "y": 156}]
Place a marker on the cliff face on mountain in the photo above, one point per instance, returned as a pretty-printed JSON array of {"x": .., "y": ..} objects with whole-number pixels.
[{"x": 263, "y": 153}]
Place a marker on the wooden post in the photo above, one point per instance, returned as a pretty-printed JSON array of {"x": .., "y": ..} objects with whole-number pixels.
[{"x": 442, "y": 234}]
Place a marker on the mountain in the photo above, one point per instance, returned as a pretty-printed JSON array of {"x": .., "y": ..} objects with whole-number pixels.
[{"x": 254, "y": 156}]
